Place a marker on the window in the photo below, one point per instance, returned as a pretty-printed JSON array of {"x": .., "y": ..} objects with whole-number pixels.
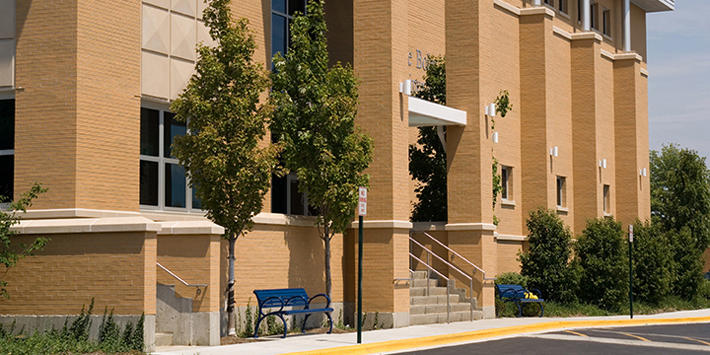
[
  {"x": 285, "y": 197},
  {"x": 163, "y": 183},
  {"x": 593, "y": 15},
  {"x": 549, "y": 2},
  {"x": 607, "y": 200},
  {"x": 562, "y": 6},
  {"x": 506, "y": 177},
  {"x": 282, "y": 12},
  {"x": 561, "y": 191},
  {"x": 579, "y": 10},
  {"x": 606, "y": 22},
  {"x": 7, "y": 149}
]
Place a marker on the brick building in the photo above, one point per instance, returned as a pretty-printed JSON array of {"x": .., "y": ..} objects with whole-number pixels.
[{"x": 85, "y": 88}]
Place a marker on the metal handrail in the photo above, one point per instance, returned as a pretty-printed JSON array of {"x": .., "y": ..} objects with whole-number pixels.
[
  {"x": 442, "y": 259},
  {"x": 454, "y": 252},
  {"x": 448, "y": 305},
  {"x": 180, "y": 279}
]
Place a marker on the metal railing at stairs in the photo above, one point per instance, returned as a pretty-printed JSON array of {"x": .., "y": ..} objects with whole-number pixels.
[
  {"x": 449, "y": 265},
  {"x": 197, "y": 286}
]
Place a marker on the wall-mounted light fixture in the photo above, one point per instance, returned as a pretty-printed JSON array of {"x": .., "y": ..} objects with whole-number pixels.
[
  {"x": 602, "y": 163},
  {"x": 405, "y": 87},
  {"x": 642, "y": 172},
  {"x": 490, "y": 110},
  {"x": 554, "y": 151},
  {"x": 495, "y": 137}
]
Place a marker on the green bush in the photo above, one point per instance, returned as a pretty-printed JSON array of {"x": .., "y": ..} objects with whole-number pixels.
[
  {"x": 687, "y": 263},
  {"x": 512, "y": 278},
  {"x": 601, "y": 255},
  {"x": 652, "y": 264},
  {"x": 546, "y": 264}
]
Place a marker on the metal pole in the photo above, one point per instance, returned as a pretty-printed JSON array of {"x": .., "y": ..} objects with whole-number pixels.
[
  {"x": 359, "y": 281},
  {"x": 631, "y": 276}
]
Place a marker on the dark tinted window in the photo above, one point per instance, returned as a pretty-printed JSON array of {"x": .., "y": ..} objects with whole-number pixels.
[
  {"x": 148, "y": 183},
  {"x": 7, "y": 124},
  {"x": 174, "y": 185},
  {"x": 7, "y": 163},
  {"x": 278, "y": 194},
  {"x": 173, "y": 129},
  {"x": 278, "y": 34},
  {"x": 296, "y": 6},
  {"x": 278, "y": 5},
  {"x": 149, "y": 132}
]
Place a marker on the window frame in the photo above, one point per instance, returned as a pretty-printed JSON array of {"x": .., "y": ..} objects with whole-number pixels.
[
  {"x": 561, "y": 191},
  {"x": 606, "y": 199},
  {"x": 161, "y": 160},
  {"x": 606, "y": 21},
  {"x": 10, "y": 95},
  {"x": 566, "y": 7},
  {"x": 506, "y": 177},
  {"x": 594, "y": 16}
]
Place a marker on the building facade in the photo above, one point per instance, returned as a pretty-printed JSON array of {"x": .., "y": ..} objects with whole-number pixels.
[{"x": 85, "y": 89}]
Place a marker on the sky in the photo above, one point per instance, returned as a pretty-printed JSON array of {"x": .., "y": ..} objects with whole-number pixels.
[{"x": 679, "y": 76}]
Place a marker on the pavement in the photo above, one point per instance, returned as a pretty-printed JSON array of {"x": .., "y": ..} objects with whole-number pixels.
[{"x": 422, "y": 337}]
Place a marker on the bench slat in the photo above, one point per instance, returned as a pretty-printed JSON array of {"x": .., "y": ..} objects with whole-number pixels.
[{"x": 289, "y": 297}]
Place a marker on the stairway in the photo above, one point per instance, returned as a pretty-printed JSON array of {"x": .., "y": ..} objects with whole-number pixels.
[{"x": 430, "y": 308}]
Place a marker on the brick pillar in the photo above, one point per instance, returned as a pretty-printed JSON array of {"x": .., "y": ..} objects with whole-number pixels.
[
  {"x": 469, "y": 182},
  {"x": 587, "y": 190},
  {"x": 380, "y": 38},
  {"x": 631, "y": 131}
]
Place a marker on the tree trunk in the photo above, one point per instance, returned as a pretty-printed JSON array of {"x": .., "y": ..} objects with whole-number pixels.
[
  {"x": 230, "y": 289},
  {"x": 328, "y": 281}
]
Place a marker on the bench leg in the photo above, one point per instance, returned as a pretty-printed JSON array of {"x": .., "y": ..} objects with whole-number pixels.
[
  {"x": 331, "y": 322},
  {"x": 305, "y": 319},
  {"x": 542, "y": 310},
  {"x": 520, "y": 308},
  {"x": 285, "y": 326},
  {"x": 256, "y": 327}
]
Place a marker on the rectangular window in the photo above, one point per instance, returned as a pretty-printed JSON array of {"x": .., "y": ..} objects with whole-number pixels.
[
  {"x": 549, "y": 2},
  {"x": 606, "y": 22},
  {"x": 562, "y": 6},
  {"x": 607, "y": 200},
  {"x": 561, "y": 191},
  {"x": 579, "y": 10},
  {"x": 506, "y": 177},
  {"x": 7, "y": 149},
  {"x": 282, "y": 13},
  {"x": 163, "y": 183},
  {"x": 593, "y": 15}
]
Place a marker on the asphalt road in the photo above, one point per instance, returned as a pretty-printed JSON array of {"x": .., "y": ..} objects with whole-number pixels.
[{"x": 656, "y": 339}]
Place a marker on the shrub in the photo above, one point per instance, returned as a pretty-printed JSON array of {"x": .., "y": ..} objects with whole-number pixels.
[
  {"x": 601, "y": 254},
  {"x": 652, "y": 264},
  {"x": 513, "y": 278},
  {"x": 545, "y": 264},
  {"x": 687, "y": 272}
]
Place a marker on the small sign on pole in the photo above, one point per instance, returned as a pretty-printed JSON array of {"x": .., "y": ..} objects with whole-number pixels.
[
  {"x": 362, "y": 201},
  {"x": 631, "y": 271}
]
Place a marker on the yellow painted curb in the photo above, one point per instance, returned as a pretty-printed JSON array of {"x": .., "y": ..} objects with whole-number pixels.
[{"x": 446, "y": 339}]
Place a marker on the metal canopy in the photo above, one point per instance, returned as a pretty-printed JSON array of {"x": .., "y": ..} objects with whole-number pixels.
[{"x": 426, "y": 113}]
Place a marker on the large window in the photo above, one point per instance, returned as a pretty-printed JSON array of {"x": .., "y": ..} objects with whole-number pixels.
[
  {"x": 7, "y": 149},
  {"x": 163, "y": 184},
  {"x": 285, "y": 197},
  {"x": 593, "y": 15}
]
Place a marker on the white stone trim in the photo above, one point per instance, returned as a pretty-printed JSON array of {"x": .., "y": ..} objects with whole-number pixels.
[
  {"x": 280, "y": 219},
  {"x": 428, "y": 226},
  {"x": 470, "y": 227},
  {"x": 621, "y": 56},
  {"x": 190, "y": 227},
  {"x": 384, "y": 224},
  {"x": 561, "y": 32},
  {"x": 426, "y": 113},
  {"x": 510, "y": 237},
  {"x": 86, "y": 225},
  {"x": 644, "y": 72},
  {"x": 507, "y": 7},
  {"x": 586, "y": 35},
  {"x": 537, "y": 10}
]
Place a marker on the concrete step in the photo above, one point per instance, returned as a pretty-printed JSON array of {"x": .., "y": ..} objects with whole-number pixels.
[
  {"x": 437, "y": 299},
  {"x": 419, "y": 275},
  {"x": 422, "y": 291},
  {"x": 163, "y": 339},
  {"x": 461, "y": 316},
  {"x": 423, "y": 283},
  {"x": 438, "y": 308}
]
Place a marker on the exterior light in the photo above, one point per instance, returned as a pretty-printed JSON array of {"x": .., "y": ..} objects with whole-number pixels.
[
  {"x": 406, "y": 87},
  {"x": 495, "y": 137},
  {"x": 492, "y": 109},
  {"x": 642, "y": 172},
  {"x": 554, "y": 151},
  {"x": 602, "y": 163}
]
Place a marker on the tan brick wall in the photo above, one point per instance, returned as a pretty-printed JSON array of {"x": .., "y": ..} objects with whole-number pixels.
[
  {"x": 508, "y": 256},
  {"x": 195, "y": 258},
  {"x": 45, "y": 122},
  {"x": 282, "y": 257},
  {"x": 117, "y": 269},
  {"x": 438, "y": 264}
]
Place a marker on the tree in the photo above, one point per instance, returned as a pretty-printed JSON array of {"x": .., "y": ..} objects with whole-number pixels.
[
  {"x": 653, "y": 262},
  {"x": 602, "y": 255},
  {"x": 315, "y": 121},
  {"x": 546, "y": 262},
  {"x": 680, "y": 193},
  {"x": 223, "y": 153},
  {"x": 11, "y": 251},
  {"x": 427, "y": 159}
]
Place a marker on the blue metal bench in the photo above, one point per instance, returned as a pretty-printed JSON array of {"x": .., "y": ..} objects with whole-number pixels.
[
  {"x": 516, "y": 293},
  {"x": 288, "y": 297}
]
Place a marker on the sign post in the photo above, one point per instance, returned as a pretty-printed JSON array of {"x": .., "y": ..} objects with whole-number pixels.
[
  {"x": 631, "y": 271},
  {"x": 361, "y": 211}
]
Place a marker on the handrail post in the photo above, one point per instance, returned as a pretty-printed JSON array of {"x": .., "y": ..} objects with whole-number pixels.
[
  {"x": 448, "y": 302},
  {"x": 471, "y": 296},
  {"x": 428, "y": 273}
]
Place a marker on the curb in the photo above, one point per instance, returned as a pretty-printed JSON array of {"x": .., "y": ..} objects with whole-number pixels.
[{"x": 463, "y": 337}]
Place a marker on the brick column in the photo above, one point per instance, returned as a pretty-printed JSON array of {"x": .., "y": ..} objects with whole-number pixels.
[
  {"x": 631, "y": 134},
  {"x": 380, "y": 42}
]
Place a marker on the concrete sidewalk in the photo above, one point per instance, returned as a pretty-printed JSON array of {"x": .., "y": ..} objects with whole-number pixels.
[{"x": 421, "y": 336}]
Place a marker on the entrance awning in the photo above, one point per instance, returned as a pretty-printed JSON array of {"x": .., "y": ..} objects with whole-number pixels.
[{"x": 426, "y": 113}]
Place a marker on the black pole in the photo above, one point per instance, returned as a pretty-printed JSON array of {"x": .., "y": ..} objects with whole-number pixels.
[
  {"x": 359, "y": 281},
  {"x": 631, "y": 276}
]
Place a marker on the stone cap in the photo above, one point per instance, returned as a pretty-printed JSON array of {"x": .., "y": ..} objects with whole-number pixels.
[
  {"x": 190, "y": 227},
  {"x": 86, "y": 225}
]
